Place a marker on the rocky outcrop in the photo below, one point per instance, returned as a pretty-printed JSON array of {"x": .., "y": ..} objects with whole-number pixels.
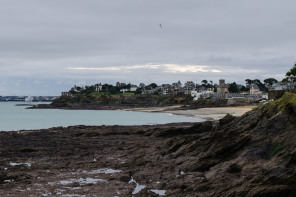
[
  {"x": 251, "y": 155},
  {"x": 108, "y": 102}
]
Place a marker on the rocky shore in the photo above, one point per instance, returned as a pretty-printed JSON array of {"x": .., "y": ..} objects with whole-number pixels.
[{"x": 250, "y": 155}]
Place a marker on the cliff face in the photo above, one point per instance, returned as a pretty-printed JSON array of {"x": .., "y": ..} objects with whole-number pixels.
[{"x": 251, "y": 155}]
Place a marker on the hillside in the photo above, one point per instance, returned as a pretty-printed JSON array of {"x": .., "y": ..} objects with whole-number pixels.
[{"x": 105, "y": 101}]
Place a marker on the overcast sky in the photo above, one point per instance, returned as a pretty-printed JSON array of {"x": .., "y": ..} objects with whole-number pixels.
[{"x": 48, "y": 46}]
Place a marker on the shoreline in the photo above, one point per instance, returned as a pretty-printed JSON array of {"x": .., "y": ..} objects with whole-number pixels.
[
  {"x": 214, "y": 113},
  {"x": 206, "y": 113}
]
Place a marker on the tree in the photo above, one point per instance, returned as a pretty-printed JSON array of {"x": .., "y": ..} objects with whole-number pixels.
[
  {"x": 257, "y": 82},
  {"x": 248, "y": 82},
  {"x": 138, "y": 91},
  {"x": 270, "y": 81},
  {"x": 153, "y": 85},
  {"x": 244, "y": 89},
  {"x": 291, "y": 75},
  {"x": 113, "y": 90},
  {"x": 233, "y": 88},
  {"x": 204, "y": 82},
  {"x": 260, "y": 85},
  {"x": 207, "y": 84}
]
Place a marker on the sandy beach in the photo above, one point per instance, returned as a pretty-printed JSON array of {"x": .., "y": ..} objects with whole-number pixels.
[{"x": 215, "y": 113}]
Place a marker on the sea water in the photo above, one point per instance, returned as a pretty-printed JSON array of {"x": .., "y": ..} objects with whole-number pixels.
[{"x": 14, "y": 117}]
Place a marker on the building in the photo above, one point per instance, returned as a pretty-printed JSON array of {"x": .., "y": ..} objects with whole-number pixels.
[
  {"x": 133, "y": 88},
  {"x": 188, "y": 87},
  {"x": 282, "y": 86},
  {"x": 277, "y": 90},
  {"x": 123, "y": 90},
  {"x": 118, "y": 84},
  {"x": 142, "y": 85},
  {"x": 254, "y": 89},
  {"x": 178, "y": 84},
  {"x": 98, "y": 87},
  {"x": 66, "y": 94},
  {"x": 222, "y": 88}
]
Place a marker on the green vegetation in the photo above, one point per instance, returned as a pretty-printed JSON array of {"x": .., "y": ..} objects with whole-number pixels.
[
  {"x": 117, "y": 94},
  {"x": 270, "y": 81},
  {"x": 291, "y": 75},
  {"x": 257, "y": 82},
  {"x": 276, "y": 149},
  {"x": 206, "y": 84},
  {"x": 233, "y": 88},
  {"x": 280, "y": 104}
]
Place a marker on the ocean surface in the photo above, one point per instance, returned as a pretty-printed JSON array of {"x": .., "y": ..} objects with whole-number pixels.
[{"x": 14, "y": 117}]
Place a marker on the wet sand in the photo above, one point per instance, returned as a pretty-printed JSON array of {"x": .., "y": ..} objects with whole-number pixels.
[{"x": 215, "y": 113}]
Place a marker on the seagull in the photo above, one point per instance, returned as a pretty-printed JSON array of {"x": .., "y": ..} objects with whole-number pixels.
[{"x": 160, "y": 25}]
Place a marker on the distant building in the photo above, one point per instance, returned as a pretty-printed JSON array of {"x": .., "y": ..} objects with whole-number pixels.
[
  {"x": 118, "y": 84},
  {"x": 123, "y": 90},
  {"x": 178, "y": 84},
  {"x": 222, "y": 88},
  {"x": 254, "y": 89},
  {"x": 133, "y": 88},
  {"x": 277, "y": 90},
  {"x": 166, "y": 89},
  {"x": 99, "y": 87},
  {"x": 142, "y": 85},
  {"x": 282, "y": 86},
  {"x": 66, "y": 94},
  {"x": 188, "y": 87}
]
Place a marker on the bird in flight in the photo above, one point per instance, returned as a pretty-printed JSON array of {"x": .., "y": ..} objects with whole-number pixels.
[{"x": 160, "y": 25}]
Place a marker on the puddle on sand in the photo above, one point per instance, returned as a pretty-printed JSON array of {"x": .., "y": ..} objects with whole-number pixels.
[
  {"x": 18, "y": 164},
  {"x": 138, "y": 187},
  {"x": 103, "y": 171},
  {"x": 159, "y": 192},
  {"x": 82, "y": 181}
]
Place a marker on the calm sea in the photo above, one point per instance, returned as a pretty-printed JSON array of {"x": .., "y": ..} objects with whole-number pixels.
[{"x": 14, "y": 117}]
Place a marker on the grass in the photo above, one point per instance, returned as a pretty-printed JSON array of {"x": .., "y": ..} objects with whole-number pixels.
[
  {"x": 280, "y": 104},
  {"x": 276, "y": 149}
]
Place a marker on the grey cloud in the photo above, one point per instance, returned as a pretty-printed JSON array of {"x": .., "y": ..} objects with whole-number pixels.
[{"x": 41, "y": 39}]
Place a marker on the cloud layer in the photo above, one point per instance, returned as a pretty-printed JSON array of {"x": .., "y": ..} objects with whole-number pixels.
[{"x": 48, "y": 46}]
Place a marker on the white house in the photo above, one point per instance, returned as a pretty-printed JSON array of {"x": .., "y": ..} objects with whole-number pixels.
[
  {"x": 124, "y": 90},
  {"x": 254, "y": 89},
  {"x": 133, "y": 88}
]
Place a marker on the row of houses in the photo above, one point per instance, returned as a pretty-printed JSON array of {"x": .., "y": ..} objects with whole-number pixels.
[
  {"x": 219, "y": 91},
  {"x": 189, "y": 88},
  {"x": 254, "y": 94},
  {"x": 28, "y": 98}
]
